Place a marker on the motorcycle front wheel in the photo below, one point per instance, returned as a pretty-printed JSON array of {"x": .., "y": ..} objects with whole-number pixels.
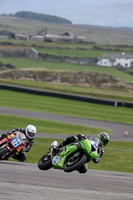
[
  {"x": 3, "y": 151},
  {"x": 45, "y": 162},
  {"x": 74, "y": 163}
]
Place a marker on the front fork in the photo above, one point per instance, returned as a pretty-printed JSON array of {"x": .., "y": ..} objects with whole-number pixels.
[{"x": 54, "y": 143}]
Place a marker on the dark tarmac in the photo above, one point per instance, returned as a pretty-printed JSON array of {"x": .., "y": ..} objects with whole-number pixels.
[{"x": 25, "y": 181}]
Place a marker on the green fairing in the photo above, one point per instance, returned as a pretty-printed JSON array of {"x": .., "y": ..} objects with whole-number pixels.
[
  {"x": 59, "y": 160},
  {"x": 63, "y": 155},
  {"x": 86, "y": 144}
]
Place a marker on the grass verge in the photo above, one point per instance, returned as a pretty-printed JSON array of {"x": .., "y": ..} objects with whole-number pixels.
[
  {"x": 70, "y": 89},
  {"x": 63, "y": 106},
  {"x": 45, "y": 126}
]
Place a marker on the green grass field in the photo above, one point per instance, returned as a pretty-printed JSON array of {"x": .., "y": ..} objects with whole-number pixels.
[
  {"x": 115, "y": 160},
  {"x": 85, "y": 91},
  {"x": 64, "y": 106},
  {"x": 74, "y": 46},
  {"x": 74, "y": 52},
  {"x": 45, "y": 126}
]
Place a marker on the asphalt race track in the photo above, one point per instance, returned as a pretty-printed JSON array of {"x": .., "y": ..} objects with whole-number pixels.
[
  {"x": 117, "y": 128},
  {"x": 25, "y": 181}
]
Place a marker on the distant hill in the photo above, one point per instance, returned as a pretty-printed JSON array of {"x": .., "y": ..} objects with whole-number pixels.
[{"x": 42, "y": 17}]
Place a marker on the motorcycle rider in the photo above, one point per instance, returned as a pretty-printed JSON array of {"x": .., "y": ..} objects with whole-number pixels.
[
  {"x": 102, "y": 140},
  {"x": 29, "y": 132}
]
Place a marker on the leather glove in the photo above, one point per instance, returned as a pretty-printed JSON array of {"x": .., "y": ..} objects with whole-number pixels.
[
  {"x": 97, "y": 160},
  {"x": 81, "y": 137},
  {"x": 9, "y": 132},
  {"x": 3, "y": 136}
]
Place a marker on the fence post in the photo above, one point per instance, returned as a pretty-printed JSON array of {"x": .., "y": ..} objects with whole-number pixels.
[{"x": 115, "y": 104}]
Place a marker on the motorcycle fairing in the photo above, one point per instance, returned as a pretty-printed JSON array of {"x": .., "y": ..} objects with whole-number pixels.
[
  {"x": 58, "y": 161},
  {"x": 87, "y": 148},
  {"x": 15, "y": 142}
]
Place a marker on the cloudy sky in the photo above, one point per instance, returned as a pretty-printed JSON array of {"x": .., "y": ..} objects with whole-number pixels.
[{"x": 115, "y": 13}]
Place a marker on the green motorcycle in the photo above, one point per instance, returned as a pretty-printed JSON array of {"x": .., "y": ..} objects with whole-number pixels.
[{"x": 69, "y": 158}]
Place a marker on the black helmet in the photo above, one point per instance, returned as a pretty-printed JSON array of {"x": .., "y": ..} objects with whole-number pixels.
[{"x": 103, "y": 138}]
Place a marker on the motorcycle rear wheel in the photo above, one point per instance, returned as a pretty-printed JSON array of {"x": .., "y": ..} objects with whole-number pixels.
[
  {"x": 73, "y": 164},
  {"x": 45, "y": 162}
]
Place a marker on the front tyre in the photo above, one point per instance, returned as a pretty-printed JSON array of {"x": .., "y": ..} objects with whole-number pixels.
[
  {"x": 45, "y": 162},
  {"x": 74, "y": 163},
  {"x": 3, "y": 152}
]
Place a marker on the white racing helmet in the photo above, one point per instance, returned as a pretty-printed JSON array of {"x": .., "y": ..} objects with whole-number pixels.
[{"x": 30, "y": 131}]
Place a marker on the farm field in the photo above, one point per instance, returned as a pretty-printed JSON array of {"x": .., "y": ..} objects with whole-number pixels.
[
  {"x": 23, "y": 63},
  {"x": 76, "y": 49},
  {"x": 69, "y": 49},
  {"x": 100, "y": 35},
  {"x": 29, "y": 63},
  {"x": 75, "y": 52}
]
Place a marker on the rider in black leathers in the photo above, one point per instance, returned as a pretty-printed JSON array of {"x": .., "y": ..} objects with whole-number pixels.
[{"x": 102, "y": 139}]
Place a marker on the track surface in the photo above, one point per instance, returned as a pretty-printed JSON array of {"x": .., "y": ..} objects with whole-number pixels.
[
  {"x": 118, "y": 128},
  {"x": 26, "y": 181}
]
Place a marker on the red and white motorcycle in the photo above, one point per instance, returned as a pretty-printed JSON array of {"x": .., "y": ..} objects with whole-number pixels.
[{"x": 12, "y": 144}]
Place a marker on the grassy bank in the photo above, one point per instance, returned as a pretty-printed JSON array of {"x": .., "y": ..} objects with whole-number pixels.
[
  {"x": 117, "y": 157},
  {"x": 85, "y": 91},
  {"x": 65, "y": 107},
  {"x": 45, "y": 126}
]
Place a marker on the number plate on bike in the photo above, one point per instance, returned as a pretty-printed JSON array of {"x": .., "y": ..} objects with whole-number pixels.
[
  {"x": 15, "y": 143},
  {"x": 55, "y": 160},
  {"x": 95, "y": 145}
]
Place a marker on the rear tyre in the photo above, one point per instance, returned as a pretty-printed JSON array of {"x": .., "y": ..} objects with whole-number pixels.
[
  {"x": 45, "y": 162},
  {"x": 74, "y": 163}
]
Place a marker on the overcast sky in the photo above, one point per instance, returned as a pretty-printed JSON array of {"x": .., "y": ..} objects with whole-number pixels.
[{"x": 115, "y": 13}]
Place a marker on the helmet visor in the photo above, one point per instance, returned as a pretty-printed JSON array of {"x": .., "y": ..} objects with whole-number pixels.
[
  {"x": 103, "y": 140},
  {"x": 31, "y": 134}
]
